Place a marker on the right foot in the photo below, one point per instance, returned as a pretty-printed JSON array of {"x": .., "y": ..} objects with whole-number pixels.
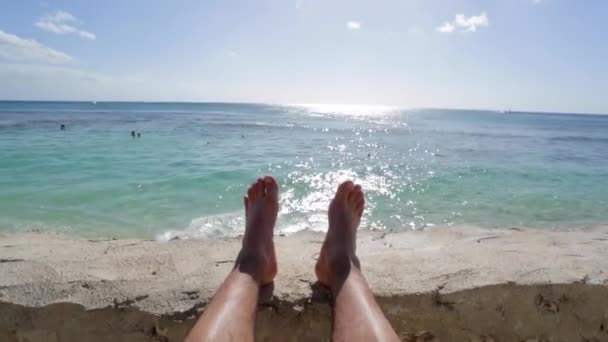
[
  {"x": 338, "y": 251},
  {"x": 257, "y": 257}
]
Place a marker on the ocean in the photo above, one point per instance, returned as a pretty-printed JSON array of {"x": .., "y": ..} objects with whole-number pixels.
[{"x": 187, "y": 173}]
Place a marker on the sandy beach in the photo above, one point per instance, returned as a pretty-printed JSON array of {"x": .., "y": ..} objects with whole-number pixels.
[{"x": 440, "y": 284}]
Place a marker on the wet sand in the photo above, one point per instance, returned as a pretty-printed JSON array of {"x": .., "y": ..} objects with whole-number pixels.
[{"x": 441, "y": 284}]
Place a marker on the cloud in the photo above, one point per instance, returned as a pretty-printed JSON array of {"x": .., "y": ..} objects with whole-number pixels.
[
  {"x": 299, "y": 4},
  {"x": 353, "y": 25},
  {"x": 466, "y": 24},
  {"x": 536, "y": 2},
  {"x": 471, "y": 23},
  {"x": 62, "y": 22},
  {"x": 87, "y": 35},
  {"x": 15, "y": 48},
  {"x": 446, "y": 28},
  {"x": 61, "y": 16}
]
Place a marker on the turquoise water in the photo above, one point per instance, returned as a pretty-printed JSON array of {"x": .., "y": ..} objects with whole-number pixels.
[{"x": 188, "y": 172}]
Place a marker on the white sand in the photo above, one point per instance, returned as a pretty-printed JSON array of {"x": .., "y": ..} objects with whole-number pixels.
[{"x": 551, "y": 285}]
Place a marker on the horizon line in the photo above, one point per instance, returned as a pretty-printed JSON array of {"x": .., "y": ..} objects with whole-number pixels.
[{"x": 397, "y": 107}]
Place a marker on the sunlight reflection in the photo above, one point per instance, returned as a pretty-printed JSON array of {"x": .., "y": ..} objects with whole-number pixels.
[{"x": 348, "y": 109}]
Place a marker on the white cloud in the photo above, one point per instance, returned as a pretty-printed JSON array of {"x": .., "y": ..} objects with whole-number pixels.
[
  {"x": 471, "y": 23},
  {"x": 61, "y": 16},
  {"x": 353, "y": 25},
  {"x": 446, "y": 28},
  {"x": 15, "y": 48},
  {"x": 87, "y": 35},
  {"x": 62, "y": 22},
  {"x": 466, "y": 24},
  {"x": 299, "y": 4}
]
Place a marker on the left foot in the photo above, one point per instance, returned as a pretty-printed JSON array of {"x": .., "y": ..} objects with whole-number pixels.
[{"x": 257, "y": 257}]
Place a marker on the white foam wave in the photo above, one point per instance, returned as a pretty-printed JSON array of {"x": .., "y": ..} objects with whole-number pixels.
[
  {"x": 209, "y": 227},
  {"x": 304, "y": 201}
]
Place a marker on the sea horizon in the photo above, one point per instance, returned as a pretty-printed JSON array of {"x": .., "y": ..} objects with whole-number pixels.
[{"x": 271, "y": 103}]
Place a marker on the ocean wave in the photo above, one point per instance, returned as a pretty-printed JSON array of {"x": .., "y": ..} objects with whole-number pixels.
[
  {"x": 26, "y": 123},
  {"x": 256, "y": 124},
  {"x": 233, "y": 225},
  {"x": 209, "y": 227},
  {"x": 578, "y": 138},
  {"x": 469, "y": 134},
  {"x": 304, "y": 202}
]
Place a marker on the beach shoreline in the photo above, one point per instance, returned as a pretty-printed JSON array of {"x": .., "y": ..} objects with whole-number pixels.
[{"x": 453, "y": 283}]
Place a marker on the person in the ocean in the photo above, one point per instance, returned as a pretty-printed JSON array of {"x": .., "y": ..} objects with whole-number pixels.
[
  {"x": 138, "y": 135},
  {"x": 357, "y": 317},
  {"x": 62, "y": 127},
  {"x": 133, "y": 134}
]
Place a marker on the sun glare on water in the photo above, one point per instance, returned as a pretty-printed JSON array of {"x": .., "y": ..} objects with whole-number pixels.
[{"x": 347, "y": 109}]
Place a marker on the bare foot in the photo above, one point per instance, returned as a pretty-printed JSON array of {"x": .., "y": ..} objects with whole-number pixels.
[
  {"x": 338, "y": 251},
  {"x": 257, "y": 256}
]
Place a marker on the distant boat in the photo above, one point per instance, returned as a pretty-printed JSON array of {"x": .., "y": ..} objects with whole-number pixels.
[
  {"x": 93, "y": 103},
  {"x": 508, "y": 111}
]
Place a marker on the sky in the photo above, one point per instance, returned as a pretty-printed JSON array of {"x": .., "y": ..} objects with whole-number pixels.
[{"x": 537, "y": 55}]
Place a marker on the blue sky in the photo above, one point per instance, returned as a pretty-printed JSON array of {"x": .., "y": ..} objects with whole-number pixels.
[{"x": 547, "y": 55}]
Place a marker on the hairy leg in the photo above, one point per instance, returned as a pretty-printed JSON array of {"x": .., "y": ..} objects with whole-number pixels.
[
  {"x": 357, "y": 316},
  {"x": 231, "y": 314}
]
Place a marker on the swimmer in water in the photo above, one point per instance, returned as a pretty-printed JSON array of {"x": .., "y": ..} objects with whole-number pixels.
[
  {"x": 62, "y": 127},
  {"x": 133, "y": 134}
]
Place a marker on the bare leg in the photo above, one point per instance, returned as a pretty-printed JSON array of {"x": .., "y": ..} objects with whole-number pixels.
[
  {"x": 357, "y": 316},
  {"x": 231, "y": 314}
]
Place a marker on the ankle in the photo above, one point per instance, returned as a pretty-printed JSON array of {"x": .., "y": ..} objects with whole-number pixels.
[
  {"x": 251, "y": 263},
  {"x": 341, "y": 265}
]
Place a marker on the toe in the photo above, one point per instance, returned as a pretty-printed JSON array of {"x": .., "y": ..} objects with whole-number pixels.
[
  {"x": 344, "y": 185},
  {"x": 355, "y": 194},
  {"x": 272, "y": 188},
  {"x": 255, "y": 189},
  {"x": 344, "y": 189},
  {"x": 258, "y": 189},
  {"x": 359, "y": 205},
  {"x": 359, "y": 196},
  {"x": 359, "y": 200},
  {"x": 251, "y": 192},
  {"x": 359, "y": 210}
]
